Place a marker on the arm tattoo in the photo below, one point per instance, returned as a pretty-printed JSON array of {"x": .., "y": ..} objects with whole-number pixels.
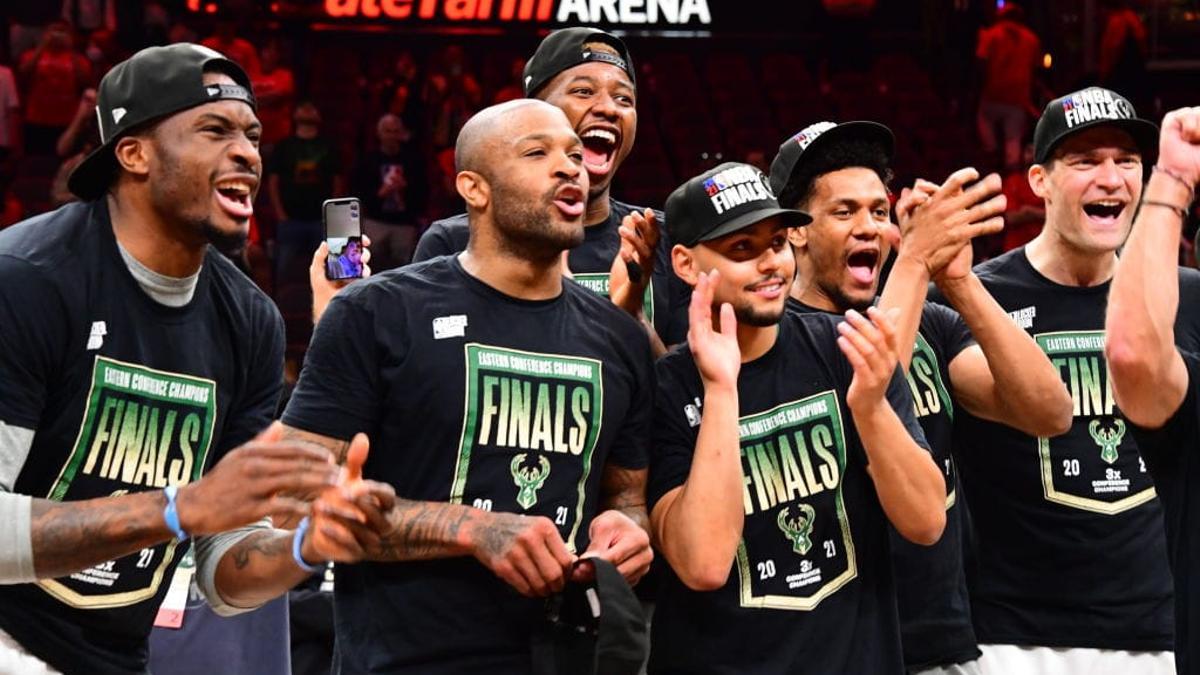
[
  {"x": 266, "y": 544},
  {"x": 71, "y": 536},
  {"x": 423, "y": 531},
  {"x": 336, "y": 447},
  {"x": 624, "y": 490}
]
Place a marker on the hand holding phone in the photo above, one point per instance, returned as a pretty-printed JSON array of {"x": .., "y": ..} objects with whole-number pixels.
[{"x": 343, "y": 236}]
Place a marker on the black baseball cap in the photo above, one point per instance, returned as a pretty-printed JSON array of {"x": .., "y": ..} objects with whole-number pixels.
[
  {"x": 722, "y": 200},
  {"x": 592, "y": 628},
  {"x": 813, "y": 137},
  {"x": 565, "y": 49},
  {"x": 1088, "y": 108},
  {"x": 152, "y": 84}
]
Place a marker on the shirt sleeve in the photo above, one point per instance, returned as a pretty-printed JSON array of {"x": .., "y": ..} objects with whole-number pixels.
[
  {"x": 256, "y": 406},
  {"x": 674, "y": 436},
  {"x": 338, "y": 393},
  {"x": 33, "y": 335},
  {"x": 947, "y": 326},
  {"x": 631, "y": 447},
  {"x": 1179, "y": 432},
  {"x": 434, "y": 242}
]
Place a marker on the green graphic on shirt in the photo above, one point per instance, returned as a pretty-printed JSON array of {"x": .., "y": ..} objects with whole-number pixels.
[
  {"x": 529, "y": 479},
  {"x": 1073, "y": 473},
  {"x": 1107, "y": 439},
  {"x": 141, "y": 429},
  {"x": 518, "y": 405},
  {"x": 925, "y": 380},
  {"x": 793, "y": 465},
  {"x": 597, "y": 282},
  {"x": 798, "y": 529}
]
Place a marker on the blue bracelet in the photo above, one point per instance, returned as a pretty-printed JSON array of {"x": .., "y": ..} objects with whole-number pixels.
[
  {"x": 171, "y": 515},
  {"x": 297, "y": 540}
]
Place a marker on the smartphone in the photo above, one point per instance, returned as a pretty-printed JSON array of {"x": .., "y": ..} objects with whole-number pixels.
[{"x": 343, "y": 235}]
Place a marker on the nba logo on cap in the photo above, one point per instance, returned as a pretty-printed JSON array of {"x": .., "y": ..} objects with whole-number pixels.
[
  {"x": 711, "y": 187},
  {"x": 810, "y": 133}
]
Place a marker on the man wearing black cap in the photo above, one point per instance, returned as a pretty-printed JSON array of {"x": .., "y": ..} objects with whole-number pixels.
[
  {"x": 777, "y": 462},
  {"x": 839, "y": 173},
  {"x": 1154, "y": 380},
  {"x": 588, "y": 73},
  {"x": 1071, "y": 566},
  {"x": 132, "y": 357},
  {"x": 514, "y": 405}
]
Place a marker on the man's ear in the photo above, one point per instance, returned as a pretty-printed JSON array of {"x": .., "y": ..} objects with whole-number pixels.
[
  {"x": 1038, "y": 177},
  {"x": 134, "y": 154},
  {"x": 474, "y": 189},
  {"x": 798, "y": 236},
  {"x": 683, "y": 260}
]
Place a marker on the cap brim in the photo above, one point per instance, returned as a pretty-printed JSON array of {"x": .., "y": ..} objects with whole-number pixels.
[
  {"x": 1144, "y": 133},
  {"x": 94, "y": 174},
  {"x": 790, "y": 218}
]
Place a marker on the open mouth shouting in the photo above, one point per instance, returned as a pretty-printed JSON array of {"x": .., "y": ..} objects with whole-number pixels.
[
  {"x": 1104, "y": 212},
  {"x": 863, "y": 265},
  {"x": 570, "y": 200},
  {"x": 600, "y": 144},
  {"x": 236, "y": 196}
]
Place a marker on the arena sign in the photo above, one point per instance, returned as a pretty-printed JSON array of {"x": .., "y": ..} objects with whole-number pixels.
[{"x": 633, "y": 13}]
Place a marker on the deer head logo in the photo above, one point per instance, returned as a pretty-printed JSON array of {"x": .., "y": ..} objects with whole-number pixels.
[
  {"x": 798, "y": 529},
  {"x": 529, "y": 478},
  {"x": 1107, "y": 439}
]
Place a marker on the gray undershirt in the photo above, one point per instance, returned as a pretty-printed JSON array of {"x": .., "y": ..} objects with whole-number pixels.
[{"x": 165, "y": 290}]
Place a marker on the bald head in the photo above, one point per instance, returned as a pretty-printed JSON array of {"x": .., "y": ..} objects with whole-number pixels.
[{"x": 496, "y": 125}]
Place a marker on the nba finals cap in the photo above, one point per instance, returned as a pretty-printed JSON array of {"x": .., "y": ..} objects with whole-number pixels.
[
  {"x": 152, "y": 84},
  {"x": 821, "y": 134},
  {"x": 565, "y": 49},
  {"x": 722, "y": 200},
  {"x": 1087, "y": 108},
  {"x": 592, "y": 628}
]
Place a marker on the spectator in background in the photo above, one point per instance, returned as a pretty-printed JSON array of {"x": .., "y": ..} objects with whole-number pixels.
[
  {"x": 1026, "y": 212},
  {"x": 76, "y": 143},
  {"x": 238, "y": 50},
  {"x": 304, "y": 171},
  {"x": 1123, "y": 53},
  {"x": 10, "y": 116},
  {"x": 90, "y": 15},
  {"x": 54, "y": 76},
  {"x": 27, "y": 24},
  {"x": 401, "y": 92},
  {"x": 275, "y": 90},
  {"x": 393, "y": 187},
  {"x": 103, "y": 51},
  {"x": 11, "y": 210},
  {"x": 1010, "y": 54},
  {"x": 444, "y": 198},
  {"x": 513, "y": 89},
  {"x": 453, "y": 95}
]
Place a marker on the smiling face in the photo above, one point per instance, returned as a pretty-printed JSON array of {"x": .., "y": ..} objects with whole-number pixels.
[
  {"x": 204, "y": 168},
  {"x": 756, "y": 266},
  {"x": 1091, "y": 185},
  {"x": 840, "y": 253},
  {"x": 600, "y": 102}
]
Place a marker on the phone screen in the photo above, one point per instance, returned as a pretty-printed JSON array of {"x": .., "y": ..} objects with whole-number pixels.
[{"x": 343, "y": 234}]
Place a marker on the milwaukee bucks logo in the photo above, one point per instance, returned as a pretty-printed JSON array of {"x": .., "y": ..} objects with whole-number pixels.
[
  {"x": 529, "y": 479},
  {"x": 798, "y": 529},
  {"x": 1107, "y": 439}
]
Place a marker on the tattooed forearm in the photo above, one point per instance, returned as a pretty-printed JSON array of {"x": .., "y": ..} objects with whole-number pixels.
[
  {"x": 258, "y": 568},
  {"x": 336, "y": 447},
  {"x": 72, "y": 536},
  {"x": 258, "y": 546},
  {"x": 624, "y": 490},
  {"x": 425, "y": 531}
]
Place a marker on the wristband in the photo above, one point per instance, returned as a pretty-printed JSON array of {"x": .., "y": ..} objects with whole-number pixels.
[
  {"x": 1179, "y": 210},
  {"x": 297, "y": 541},
  {"x": 171, "y": 515},
  {"x": 1179, "y": 179}
]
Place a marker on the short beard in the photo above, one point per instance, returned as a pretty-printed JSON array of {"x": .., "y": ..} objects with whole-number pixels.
[
  {"x": 748, "y": 316},
  {"x": 844, "y": 302},
  {"x": 229, "y": 243},
  {"x": 524, "y": 226}
]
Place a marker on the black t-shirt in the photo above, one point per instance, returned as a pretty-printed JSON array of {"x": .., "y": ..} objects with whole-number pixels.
[
  {"x": 1170, "y": 454},
  {"x": 931, "y": 586},
  {"x": 1068, "y": 530},
  {"x": 375, "y": 169},
  {"x": 306, "y": 169},
  {"x": 125, "y": 394},
  {"x": 470, "y": 397},
  {"x": 811, "y": 589},
  {"x": 666, "y": 298}
]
